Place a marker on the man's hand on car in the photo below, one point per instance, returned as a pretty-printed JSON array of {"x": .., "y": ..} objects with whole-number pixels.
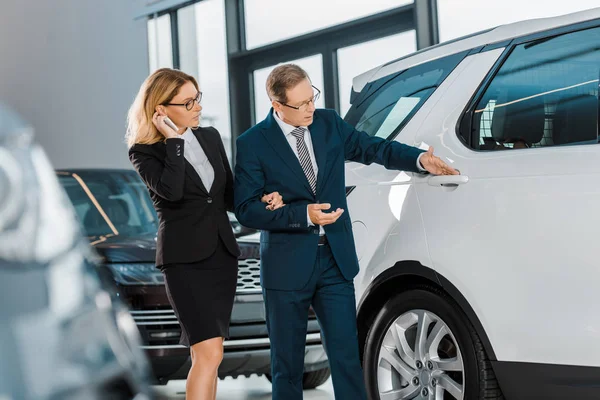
[{"x": 435, "y": 165}]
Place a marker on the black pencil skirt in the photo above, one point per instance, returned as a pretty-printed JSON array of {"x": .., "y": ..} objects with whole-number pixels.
[{"x": 202, "y": 295}]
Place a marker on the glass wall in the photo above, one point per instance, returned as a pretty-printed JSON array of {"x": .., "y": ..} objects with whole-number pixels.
[
  {"x": 203, "y": 54},
  {"x": 461, "y": 17},
  {"x": 269, "y": 21},
  {"x": 354, "y": 60},
  {"x": 230, "y": 47},
  {"x": 160, "y": 49}
]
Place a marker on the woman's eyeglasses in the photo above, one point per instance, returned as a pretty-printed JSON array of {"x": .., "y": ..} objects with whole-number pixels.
[{"x": 188, "y": 104}]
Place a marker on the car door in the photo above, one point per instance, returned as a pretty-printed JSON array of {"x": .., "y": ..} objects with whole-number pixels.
[
  {"x": 518, "y": 236},
  {"x": 383, "y": 204}
]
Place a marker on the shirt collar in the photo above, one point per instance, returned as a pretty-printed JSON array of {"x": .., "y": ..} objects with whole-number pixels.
[
  {"x": 188, "y": 135},
  {"x": 285, "y": 127}
]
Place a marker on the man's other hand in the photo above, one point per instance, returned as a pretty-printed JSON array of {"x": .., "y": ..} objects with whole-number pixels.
[{"x": 318, "y": 217}]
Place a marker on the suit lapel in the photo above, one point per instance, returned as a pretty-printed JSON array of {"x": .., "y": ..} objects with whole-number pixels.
[
  {"x": 317, "y": 136},
  {"x": 277, "y": 140}
]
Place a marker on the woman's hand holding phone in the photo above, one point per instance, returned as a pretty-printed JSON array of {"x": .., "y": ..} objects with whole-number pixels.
[{"x": 166, "y": 129}]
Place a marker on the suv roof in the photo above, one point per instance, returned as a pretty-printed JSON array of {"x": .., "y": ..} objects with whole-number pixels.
[{"x": 490, "y": 36}]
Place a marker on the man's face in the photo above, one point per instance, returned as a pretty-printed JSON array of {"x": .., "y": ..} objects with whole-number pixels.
[{"x": 302, "y": 97}]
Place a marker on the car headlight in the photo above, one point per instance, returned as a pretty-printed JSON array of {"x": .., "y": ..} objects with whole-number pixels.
[
  {"x": 37, "y": 222},
  {"x": 236, "y": 227},
  {"x": 67, "y": 341},
  {"x": 136, "y": 274}
]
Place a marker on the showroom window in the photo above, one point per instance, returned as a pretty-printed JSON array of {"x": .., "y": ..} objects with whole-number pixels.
[
  {"x": 545, "y": 94},
  {"x": 283, "y": 21},
  {"x": 387, "y": 105},
  {"x": 458, "y": 18},
  {"x": 231, "y": 46},
  {"x": 354, "y": 60},
  {"x": 160, "y": 48},
  {"x": 203, "y": 54}
]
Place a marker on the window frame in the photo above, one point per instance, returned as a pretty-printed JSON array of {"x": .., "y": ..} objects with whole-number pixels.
[
  {"x": 464, "y": 127},
  {"x": 174, "y": 36}
]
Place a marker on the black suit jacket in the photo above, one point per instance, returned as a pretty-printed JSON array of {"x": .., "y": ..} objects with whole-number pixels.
[{"x": 191, "y": 218}]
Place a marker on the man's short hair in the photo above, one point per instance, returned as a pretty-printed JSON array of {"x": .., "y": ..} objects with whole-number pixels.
[{"x": 282, "y": 78}]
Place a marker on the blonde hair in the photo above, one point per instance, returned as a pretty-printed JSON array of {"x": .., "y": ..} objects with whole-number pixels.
[{"x": 159, "y": 88}]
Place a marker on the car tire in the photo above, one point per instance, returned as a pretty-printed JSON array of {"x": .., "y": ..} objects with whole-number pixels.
[
  {"x": 316, "y": 378},
  {"x": 312, "y": 379},
  {"x": 451, "y": 358}
]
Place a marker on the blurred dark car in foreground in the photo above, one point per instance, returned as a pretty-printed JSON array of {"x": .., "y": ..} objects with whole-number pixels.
[
  {"x": 62, "y": 335},
  {"x": 117, "y": 214}
]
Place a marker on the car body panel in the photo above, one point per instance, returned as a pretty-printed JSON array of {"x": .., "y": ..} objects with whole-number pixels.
[{"x": 516, "y": 238}]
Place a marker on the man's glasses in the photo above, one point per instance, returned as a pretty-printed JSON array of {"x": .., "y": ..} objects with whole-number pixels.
[
  {"x": 302, "y": 107},
  {"x": 188, "y": 104}
]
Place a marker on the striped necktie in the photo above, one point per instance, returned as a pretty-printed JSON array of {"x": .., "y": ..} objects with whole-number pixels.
[{"x": 304, "y": 158}]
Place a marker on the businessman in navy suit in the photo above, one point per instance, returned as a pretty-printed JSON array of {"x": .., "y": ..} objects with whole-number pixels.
[{"x": 307, "y": 253}]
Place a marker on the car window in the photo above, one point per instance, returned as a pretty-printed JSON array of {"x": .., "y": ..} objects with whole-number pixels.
[
  {"x": 386, "y": 105},
  {"x": 110, "y": 202},
  {"x": 545, "y": 94}
]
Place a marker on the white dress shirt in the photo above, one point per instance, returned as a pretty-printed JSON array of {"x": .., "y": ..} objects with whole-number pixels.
[
  {"x": 291, "y": 139},
  {"x": 195, "y": 155}
]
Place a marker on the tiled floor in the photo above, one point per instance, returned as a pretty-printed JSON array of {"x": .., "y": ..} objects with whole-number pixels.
[{"x": 253, "y": 388}]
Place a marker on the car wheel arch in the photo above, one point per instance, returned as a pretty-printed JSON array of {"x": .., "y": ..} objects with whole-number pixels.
[{"x": 405, "y": 275}]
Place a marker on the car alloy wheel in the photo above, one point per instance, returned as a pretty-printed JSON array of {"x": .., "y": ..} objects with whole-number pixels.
[
  {"x": 421, "y": 345},
  {"x": 419, "y": 357}
]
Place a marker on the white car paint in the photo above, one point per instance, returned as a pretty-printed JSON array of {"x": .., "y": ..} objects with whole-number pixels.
[{"x": 517, "y": 236}]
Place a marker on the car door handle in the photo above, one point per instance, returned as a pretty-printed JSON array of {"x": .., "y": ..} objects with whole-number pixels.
[{"x": 447, "y": 180}]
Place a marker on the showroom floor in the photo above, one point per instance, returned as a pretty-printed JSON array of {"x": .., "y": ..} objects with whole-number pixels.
[{"x": 253, "y": 388}]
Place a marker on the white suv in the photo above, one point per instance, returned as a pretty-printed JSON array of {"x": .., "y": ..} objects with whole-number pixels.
[{"x": 484, "y": 285}]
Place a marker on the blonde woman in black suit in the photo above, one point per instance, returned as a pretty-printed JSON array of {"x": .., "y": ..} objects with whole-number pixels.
[{"x": 191, "y": 184}]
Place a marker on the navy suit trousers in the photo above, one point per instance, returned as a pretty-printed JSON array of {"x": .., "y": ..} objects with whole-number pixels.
[{"x": 333, "y": 300}]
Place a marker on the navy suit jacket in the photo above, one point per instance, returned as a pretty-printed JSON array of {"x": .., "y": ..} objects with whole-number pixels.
[{"x": 265, "y": 163}]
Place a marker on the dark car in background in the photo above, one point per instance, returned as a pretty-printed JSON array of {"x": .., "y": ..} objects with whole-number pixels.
[
  {"x": 116, "y": 213},
  {"x": 62, "y": 334}
]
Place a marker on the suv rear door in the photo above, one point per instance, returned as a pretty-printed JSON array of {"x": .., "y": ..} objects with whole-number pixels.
[{"x": 519, "y": 239}]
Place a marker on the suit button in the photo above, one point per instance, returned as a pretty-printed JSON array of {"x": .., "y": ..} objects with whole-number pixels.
[{"x": 209, "y": 200}]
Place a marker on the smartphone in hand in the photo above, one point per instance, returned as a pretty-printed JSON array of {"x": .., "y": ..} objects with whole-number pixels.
[{"x": 170, "y": 124}]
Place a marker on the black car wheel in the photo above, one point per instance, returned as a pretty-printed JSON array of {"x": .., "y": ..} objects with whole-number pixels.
[
  {"x": 422, "y": 346},
  {"x": 312, "y": 379}
]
